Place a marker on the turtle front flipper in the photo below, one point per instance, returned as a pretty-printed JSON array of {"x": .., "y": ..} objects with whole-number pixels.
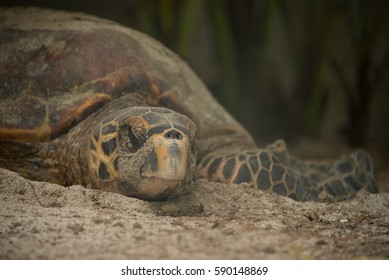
[{"x": 272, "y": 169}]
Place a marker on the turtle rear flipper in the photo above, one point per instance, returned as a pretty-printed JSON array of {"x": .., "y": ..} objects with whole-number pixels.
[
  {"x": 351, "y": 174},
  {"x": 272, "y": 169}
]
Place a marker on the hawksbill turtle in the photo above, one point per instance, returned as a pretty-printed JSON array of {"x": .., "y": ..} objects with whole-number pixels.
[{"x": 87, "y": 101}]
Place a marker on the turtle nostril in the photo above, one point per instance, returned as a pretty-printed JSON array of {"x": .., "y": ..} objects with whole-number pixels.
[{"x": 173, "y": 134}]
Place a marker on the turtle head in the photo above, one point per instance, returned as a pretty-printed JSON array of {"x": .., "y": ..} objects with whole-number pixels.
[{"x": 145, "y": 152}]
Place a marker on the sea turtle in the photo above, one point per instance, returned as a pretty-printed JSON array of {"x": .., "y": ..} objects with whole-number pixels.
[{"x": 87, "y": 101}]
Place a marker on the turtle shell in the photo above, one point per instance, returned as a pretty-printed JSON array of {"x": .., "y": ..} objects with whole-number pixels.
[
  {"x": 57, "y": 68},
  {"x": 56, "y": 72}
]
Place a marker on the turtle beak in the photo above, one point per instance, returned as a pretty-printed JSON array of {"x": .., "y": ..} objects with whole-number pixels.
[{"x": 166, "y": 166}]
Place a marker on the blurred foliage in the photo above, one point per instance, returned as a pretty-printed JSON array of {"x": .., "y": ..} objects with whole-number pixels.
[
  {"x": 276, "y": 61},
  {"x": 243, "y": 35}
]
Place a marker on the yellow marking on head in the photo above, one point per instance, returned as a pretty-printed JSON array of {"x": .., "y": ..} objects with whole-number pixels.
[
  {"x": 98, "y": 155},
  {"x": 138, "y": 124}
]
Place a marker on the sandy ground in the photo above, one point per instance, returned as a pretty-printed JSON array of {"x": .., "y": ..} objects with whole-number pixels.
[{"x": 46, "y": 221}]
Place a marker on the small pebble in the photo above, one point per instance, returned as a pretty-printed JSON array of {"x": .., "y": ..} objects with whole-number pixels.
[
  {"x": 344, "y": 220},
  {"x": 136, "y": 225}
]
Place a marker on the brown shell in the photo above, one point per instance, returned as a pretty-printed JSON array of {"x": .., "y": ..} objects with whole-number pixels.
[
  {"x": 52, "y": 77},
  {"x": 57, "y": 68}
]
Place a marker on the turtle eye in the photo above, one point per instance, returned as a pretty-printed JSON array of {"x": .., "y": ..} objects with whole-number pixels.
[
  {"x": 132, "y": 139},
  {"x": 135, "y": 142}
]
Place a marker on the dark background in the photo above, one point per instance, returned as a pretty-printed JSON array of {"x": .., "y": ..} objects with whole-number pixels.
[{"x": 303, "y": 69}]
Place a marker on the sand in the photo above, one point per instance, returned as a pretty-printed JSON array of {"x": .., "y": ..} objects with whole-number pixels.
[{"x": 40, "y": 220}]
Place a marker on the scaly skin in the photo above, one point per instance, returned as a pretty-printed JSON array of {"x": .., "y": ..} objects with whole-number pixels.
[{"x": 272, "y": 169}]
